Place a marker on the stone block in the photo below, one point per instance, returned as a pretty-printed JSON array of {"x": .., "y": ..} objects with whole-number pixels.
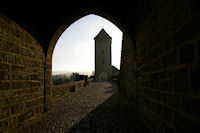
[
  {"x": 11, "y": 47},
  {"x": 157, "y": 51},
  {"x": 4, "y": 85},
  {"x": 14, "y": 109},
  {"x": 188, "y": 31},
  {"x": 28, "y": 69},
  {"x": 191, "y": 106},
  {"x": 27, "y": 38},
  {"x": 181, "y": 81},
  {"x": 163, "y": 74},
  {"x": 147, "y": 58},
  {"x": 194, "y": 79},
  {"x": 154, "y": 81},
  {"x": 154, "y": 84},
  {"x": 17, "y": 68},
  {"x": 33, "y": 77},
  {"x": 156, "y": 65},
  {"x": 170, "y": 59},
  {"x": 4, "y": 102},
  {"x": 198, "y": 47},
  {"x": 159, "y": 110},
  {"x": 11, "y": 58},
  {"x": 194, "y": 7},
  {"x": 187, "y": 54},
  {"x": 168, "y": 129},
  {"x": 26, "y": 85},
  {"x": 72, "y": 88},
  {"x": 14, "y": 31},
  {"x": 5, "y": 75},
  {"x": 170, "y": 74},
  {"x": 30, "y": 113},
  {"x": 174, "y": 100},
  {"x": 3, "y": 57},
  {"x": 13, "y": 122},
  {"x": 163, "y": 98},
  {"x": 35, "y": 84},
  {"x": 184, "y": 124},
  {"x": 24, "y": 52},
  {"x": 16, "y": 85},
  {"x": 4, "y": 125},
  {"x": 85, "y": 84},
  {"x": 4, "y": 67},
  {"x": 167, "y": 115},
  {"x": 167, "y": 45},
  {"x": 22, "y": 118},
  {"x": 20, "y": 76},
  {"x": 12, "y": 93},
  {"x": 166, "y": 85},
  {"x": 5, "y": 110},
  {"x": 1, "y": 43},
  {"x": 4, "y": 26},
  {"x": 30, "y": 63}
]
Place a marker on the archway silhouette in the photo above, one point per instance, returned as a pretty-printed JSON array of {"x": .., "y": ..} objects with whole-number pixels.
[{"x": 126, "y": 39}]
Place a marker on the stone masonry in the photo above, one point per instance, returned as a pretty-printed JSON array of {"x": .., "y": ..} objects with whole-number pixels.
[
  {"x": 160, "y": 61},
  {"x": 63, "y": 90},
  {"x": 97, "y": 108},
  {"x": 21, "y": 76},
  {"x": 168, "y": 65}
]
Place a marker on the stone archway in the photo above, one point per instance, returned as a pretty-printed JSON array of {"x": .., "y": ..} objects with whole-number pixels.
[{"x": 128, "y": 49}]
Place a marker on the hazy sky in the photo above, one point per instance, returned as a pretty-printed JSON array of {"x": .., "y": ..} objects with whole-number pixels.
[{"x": 74, "y": 51}]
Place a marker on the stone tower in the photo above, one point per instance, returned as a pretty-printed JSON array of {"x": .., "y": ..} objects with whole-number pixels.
[{"x": 103, "y": 68}]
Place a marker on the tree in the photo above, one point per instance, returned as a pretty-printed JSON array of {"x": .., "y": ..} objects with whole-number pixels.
[
  {"x": 74, "y": 76},
  {"x": 93, "y": 73}
]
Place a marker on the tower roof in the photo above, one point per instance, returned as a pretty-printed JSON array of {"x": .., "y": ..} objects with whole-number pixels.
[{"x": 103, "y": 34}]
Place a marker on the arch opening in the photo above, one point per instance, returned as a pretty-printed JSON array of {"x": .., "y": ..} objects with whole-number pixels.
[
  {"x": 75, "y": 49},
  {"x": 126, "y": 40}
]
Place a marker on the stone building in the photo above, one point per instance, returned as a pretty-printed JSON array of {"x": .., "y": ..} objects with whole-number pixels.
[
  {"x": 103, "y": 68},
  {"x": 115, "y": 71}
]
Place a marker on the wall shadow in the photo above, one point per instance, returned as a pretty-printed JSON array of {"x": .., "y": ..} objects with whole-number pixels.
[
  {"x": 112, "y": 116},
  {"x": 113, "y": 88}
]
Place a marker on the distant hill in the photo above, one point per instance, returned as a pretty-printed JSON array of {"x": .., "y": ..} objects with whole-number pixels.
[
  {"x": 67, "y": 73},
  {"x": 61, "y": 73}
]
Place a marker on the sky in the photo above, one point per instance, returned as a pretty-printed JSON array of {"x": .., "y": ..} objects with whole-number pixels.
[{"x": 74, "y": 50}]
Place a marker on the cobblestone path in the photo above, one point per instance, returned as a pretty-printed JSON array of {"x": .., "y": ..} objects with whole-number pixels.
[{"x": 97, "y": 108}]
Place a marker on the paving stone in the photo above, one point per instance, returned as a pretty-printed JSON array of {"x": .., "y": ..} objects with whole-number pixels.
[{"x": 94, "y": 109}]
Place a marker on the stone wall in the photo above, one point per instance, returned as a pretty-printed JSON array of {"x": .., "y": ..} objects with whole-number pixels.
[
  {"x": 21, "y": 76},
  {"x": 168, "y": 49},
  {"x": 127, "y": 77},
  {"x": 166, "y": 52},
  {"x": 62, "y": 90}
]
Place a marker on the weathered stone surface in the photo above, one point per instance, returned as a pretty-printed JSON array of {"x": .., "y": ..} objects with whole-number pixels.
[
  {"x": 187, "y": 54},
  {"x": 170, "y": 59},
  {"x": 194, "y": 79},
  {"x": 16, "y": 82},
  {"x": 169, "y": 34},
  {"x": 159, "y": 66},
  {"x": 59, "y": 91},
  {"x": 11, "y": 47},
  {"x": 188, "y": 31},
  {"x": 96, "y": 108}
]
